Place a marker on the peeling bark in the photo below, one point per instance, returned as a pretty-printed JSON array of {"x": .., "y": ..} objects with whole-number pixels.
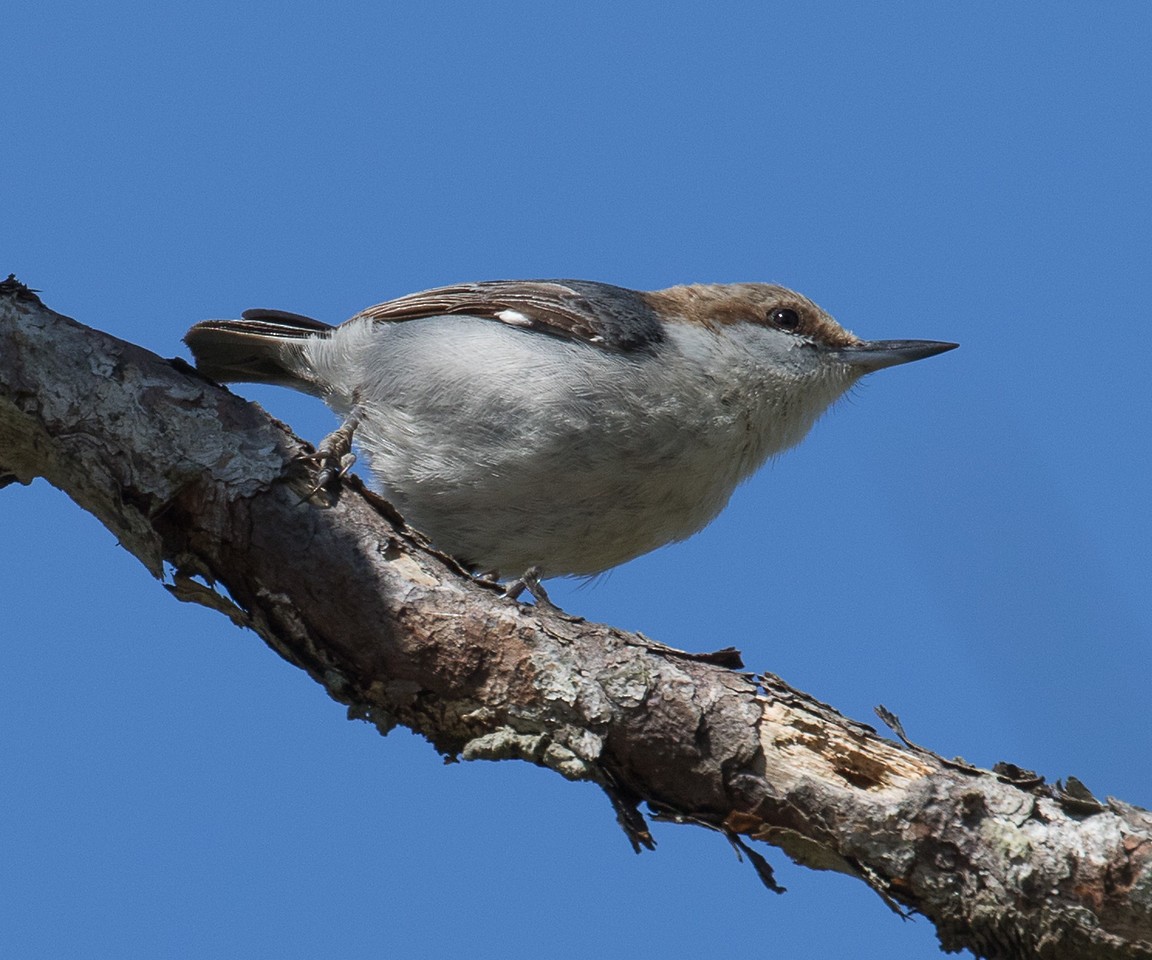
[{"x": 204, "y": 489}]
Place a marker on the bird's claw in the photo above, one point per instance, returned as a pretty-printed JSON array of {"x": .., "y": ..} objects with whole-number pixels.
[
  {"x": 331, "y": 470},
  {"x": 333, "y": 457},
  {"x": 530, "y": 580}
]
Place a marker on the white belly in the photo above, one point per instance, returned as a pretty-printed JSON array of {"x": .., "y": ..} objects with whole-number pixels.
[{"x": 512, "y": 449}]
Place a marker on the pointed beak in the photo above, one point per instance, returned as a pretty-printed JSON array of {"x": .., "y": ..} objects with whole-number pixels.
[{"x": 872, "y": 355}]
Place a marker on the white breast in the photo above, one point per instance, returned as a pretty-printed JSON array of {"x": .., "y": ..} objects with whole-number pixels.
[{"x": 512, "y": 448}]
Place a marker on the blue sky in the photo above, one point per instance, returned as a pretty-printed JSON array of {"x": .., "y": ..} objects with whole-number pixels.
[{"x": 966, "y": 540}]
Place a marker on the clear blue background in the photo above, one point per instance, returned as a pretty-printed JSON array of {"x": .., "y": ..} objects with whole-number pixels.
[{"x": 966, "y": 539}]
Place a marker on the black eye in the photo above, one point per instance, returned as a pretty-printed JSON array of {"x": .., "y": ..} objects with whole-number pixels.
[{"x": 785, "y": 317}]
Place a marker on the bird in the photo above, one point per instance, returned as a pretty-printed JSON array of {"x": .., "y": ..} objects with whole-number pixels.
[{"x": 558, "y": 428}]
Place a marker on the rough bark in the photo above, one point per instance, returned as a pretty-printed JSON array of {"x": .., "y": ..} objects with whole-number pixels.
[{"x": 203, "y": 488}]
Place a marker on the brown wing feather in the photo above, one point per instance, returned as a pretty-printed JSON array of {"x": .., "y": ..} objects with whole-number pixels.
[{"x": 598, "y": 313}]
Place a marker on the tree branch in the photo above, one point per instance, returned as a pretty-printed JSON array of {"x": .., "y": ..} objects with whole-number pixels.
[{"x": 203, "y": 488}]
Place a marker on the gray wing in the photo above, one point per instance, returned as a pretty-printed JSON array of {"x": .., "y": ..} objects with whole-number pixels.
[{"x": 599, "y": 313}]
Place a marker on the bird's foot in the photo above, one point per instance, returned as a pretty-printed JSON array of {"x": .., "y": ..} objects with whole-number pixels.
[
  {"x": 333, "y": 457},
  {"x": 530, "y": 580}
]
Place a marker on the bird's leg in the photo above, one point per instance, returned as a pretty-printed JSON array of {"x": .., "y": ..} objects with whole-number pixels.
[
  {"x": 530, "y": 580},
  {"x": 334, "y": 456}
]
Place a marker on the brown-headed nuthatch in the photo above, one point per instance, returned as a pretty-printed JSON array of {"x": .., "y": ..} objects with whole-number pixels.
[{"x": 561, "y": 427}]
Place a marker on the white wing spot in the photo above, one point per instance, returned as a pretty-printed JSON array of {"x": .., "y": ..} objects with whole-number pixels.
[{"x": 514, "y": 317}]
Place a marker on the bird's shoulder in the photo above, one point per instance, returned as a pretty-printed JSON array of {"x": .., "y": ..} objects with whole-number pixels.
[{"x": 613, "y": 317}]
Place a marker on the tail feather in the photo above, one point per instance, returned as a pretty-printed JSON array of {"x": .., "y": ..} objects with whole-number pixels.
[
  {"x": 289, "y": 324},
  {"x": 263, "y": 347}
]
